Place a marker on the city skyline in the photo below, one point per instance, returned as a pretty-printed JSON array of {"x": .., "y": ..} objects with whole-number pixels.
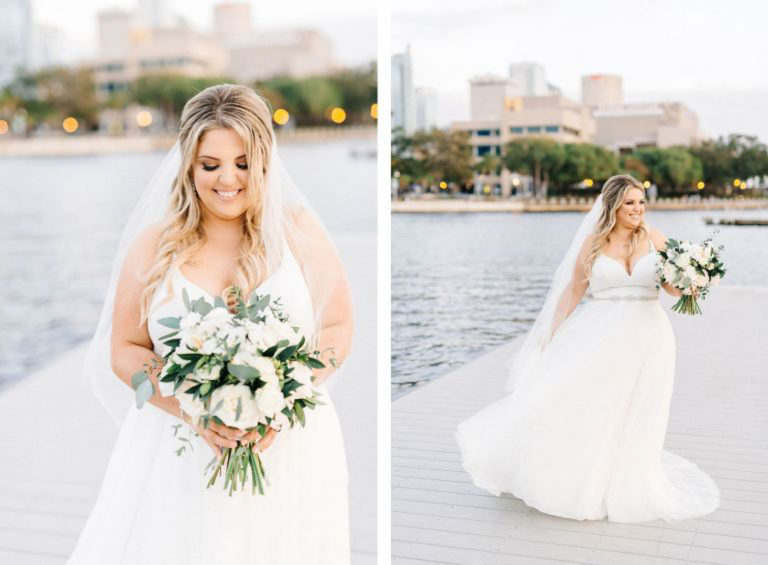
[
  {"x": 702, "y": 56},
  {"x": 353, "y": 33}
]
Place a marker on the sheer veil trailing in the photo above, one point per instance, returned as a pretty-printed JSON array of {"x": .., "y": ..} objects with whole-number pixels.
[
  {"x": 289, "y": 215},
  {"x": 523, "y": 366}
]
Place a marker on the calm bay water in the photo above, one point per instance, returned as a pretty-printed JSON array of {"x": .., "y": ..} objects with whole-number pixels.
[
  {"x": 465, "y": 283},
  {"x": 61, "y": 221}
]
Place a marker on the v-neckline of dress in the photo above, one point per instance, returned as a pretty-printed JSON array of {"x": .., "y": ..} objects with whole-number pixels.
[
  {"x": 651, "y": 251},
  {"x": 623, "y": 266},
  {"x": 261, "y": 284}
]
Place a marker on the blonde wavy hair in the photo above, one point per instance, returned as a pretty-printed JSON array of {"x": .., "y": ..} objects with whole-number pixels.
[
  {"x": 614, "y": 191},
  {"x": 243, "y": 111}
]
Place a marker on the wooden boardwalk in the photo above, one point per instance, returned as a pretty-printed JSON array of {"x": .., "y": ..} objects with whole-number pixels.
[
  {"x": 55, "y": 440},
  {"x": 719, "y": 419}
]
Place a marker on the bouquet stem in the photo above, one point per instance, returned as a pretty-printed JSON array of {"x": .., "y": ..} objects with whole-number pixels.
[
  {"x": 687, "y": 304},
  {"x": 240, "y": 464}
]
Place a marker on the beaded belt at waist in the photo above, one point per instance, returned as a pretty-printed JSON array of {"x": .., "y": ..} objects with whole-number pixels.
[{"x": 626, "y": 298}]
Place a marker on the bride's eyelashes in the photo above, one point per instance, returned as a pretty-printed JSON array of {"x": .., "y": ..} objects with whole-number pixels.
[{"x": 241, "y": 166}]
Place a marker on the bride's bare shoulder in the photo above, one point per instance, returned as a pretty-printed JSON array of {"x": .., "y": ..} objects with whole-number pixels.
[{"x": 657, "y": 237}]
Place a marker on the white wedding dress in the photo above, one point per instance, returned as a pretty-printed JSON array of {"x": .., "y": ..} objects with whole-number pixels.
[
  {"x": 583, "y": 437},
  {"x": 154, "y": 507}
]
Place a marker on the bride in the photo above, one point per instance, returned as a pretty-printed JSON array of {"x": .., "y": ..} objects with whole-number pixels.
[
  {"x": 581, "y": 436},
  {"x": 220, "y": 211}
]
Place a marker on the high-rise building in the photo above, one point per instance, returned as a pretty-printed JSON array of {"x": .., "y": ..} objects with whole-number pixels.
[
  {"x": 233, "y": 23},
  {"x": 48, "y": 46},
  {"x": 601, "y": 91},
  {"x": 291, "y": 52},
  {"x": 128, "y": 51},
  {"x": 403, "y": 107},
  {"x": 490, "y": 96},
  {"x": 154, "y": 13},
  {"x": 498, "y": 116},
  {"x": 656, "y": 124},
  {"x": 15, "y": 38},
  {"x": 530, "y": 78},
  {"x": 426, "y": 108}
]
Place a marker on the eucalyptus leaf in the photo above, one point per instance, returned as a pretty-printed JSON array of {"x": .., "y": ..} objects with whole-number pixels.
[
  {"x": 144, "y": 392},
  {"x": 172, "y": 322},
  {"x": 239, "y": 409},
  {"x": 185, "y": 298},
  {"x": 243, "y": 372}
]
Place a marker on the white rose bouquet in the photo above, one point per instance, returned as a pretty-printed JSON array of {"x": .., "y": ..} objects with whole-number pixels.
[
  {"x": 248, "y": 369},
  {"x": 692, "y": 268}
]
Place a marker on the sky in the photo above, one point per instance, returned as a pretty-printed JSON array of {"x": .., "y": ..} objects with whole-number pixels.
[
  {"x": 709, "y": 54},
  {"x": 350, "y": 24}
]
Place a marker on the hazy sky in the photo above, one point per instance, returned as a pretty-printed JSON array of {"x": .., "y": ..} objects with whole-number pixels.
[
  {"x": 709, "y": 54},
  {"x": 351, "y": 24}
]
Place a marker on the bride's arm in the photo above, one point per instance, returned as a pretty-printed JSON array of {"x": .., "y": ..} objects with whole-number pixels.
[
  {"x": 131, "y": 346},
  {"x": 329, "y": 287},
  {"x": 660, "y": 242},
  {"x": 574, "y": 292}
]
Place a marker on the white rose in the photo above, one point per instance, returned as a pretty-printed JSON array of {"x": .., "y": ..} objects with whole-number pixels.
[
  {"x": 256, "y": 333},
  {"x": 191, "y": 320},
  {"x": 218, "y": 317},
  {"x": 229, "y": 395},
  {"x": 212, "y": 346},
  {"x": 231, "y": 334},
  {"x": 669, "y": 272},
  {"x": 276, "y": 331},
  {"x": 700, "y": 281},
  {"x": 266, "y": 368},
  {"x": 301, "y": 373},
  {"x": 263, "y": 365},
  {"x": 269, "y": 399},
  {"x": 686, "y": 245},
  {"x": 304, "y": 391},
  {"x": 207, "y": 373},
  {"x": 188, "y": 403}
]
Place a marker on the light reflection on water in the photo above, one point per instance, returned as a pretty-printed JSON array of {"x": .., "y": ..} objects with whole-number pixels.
[
  {"x": 465, "y": 283},
  {"x": 61, "y": 221}
]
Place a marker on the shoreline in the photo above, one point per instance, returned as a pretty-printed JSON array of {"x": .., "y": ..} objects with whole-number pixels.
[
  {"x": 454, "y": 205},
  {"x": 100, "y": 144}
]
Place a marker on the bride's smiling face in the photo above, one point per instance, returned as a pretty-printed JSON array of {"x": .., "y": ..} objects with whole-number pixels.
[
  {"x": 221, "y": 174},
  {"x": 630, "y": 213}
]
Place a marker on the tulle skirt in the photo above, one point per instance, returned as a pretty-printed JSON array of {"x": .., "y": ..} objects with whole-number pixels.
[
  {"x": 154, "y": 507},
  {"x": 584, "y": 438}
]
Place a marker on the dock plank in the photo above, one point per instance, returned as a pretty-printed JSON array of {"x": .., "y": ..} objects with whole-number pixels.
[{"x": 719, "y": 419}]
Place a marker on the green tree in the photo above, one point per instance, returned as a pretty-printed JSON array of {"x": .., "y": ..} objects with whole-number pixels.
[
  {"x": 408, "y": 167},
  {"x": 673, "y": 169},
  {"x": 535, "y": 156},
  {"x": 447, "y": 155},
  {"x": 584, "y": 161},
  {"x": 169, "y": 92},
  {"x": 489, "y": 164}
]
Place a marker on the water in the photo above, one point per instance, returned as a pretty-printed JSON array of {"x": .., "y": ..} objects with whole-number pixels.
[
  {"x": 465, "y": 283},
  {"x": 61, "y": 221}
]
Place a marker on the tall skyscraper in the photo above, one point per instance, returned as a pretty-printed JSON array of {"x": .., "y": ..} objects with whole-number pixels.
[
  {"x": 15, "y": 38},
  {"x": 154, "y": 13},
  {"x": 403, "y": 107},
  {"x": 426, "y": 108},
  {"x": 601, "y": 91},
  {"x": 530, "y": 78}
]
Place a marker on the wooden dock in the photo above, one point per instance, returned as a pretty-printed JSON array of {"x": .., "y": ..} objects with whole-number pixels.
[
  {"x": 55, "y": 440},
  {"x": 719, "y": 419}
]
